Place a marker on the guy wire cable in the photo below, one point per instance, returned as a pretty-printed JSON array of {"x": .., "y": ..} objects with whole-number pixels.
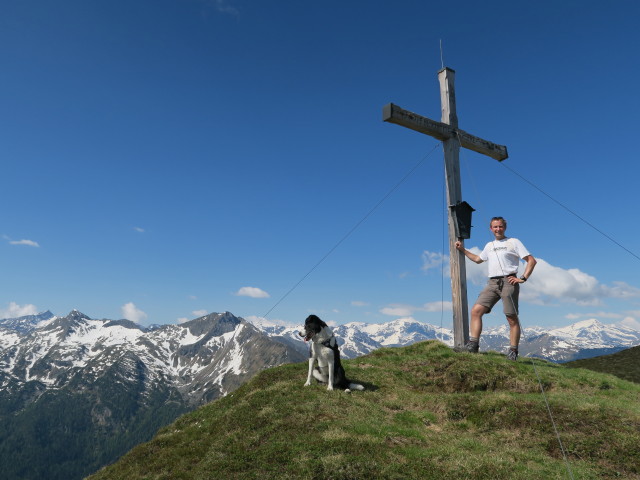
[
  {"x": 444, "y": 242},
  {"x": 570, "y": 211},
  {"x": 354, "y": 228}
]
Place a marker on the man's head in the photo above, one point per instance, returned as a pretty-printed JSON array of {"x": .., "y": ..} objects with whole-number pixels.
[{"x": 498, "y": 226}]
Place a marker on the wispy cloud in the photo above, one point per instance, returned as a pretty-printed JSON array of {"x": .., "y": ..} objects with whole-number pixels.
[
  {"x": 434, "y": 260},
  {"x": 199, "y": 313},
  {"x": 224, "y": 7},
  {"x": 357, "y": 303},
  {"x": 28, "y": 243},
  {"x": 14, "y": 310},
  {"x": 401, "y": 310},
  {"x": 631, "y": 322},
  {"x": 397, "y": 310},
  {"x": 437, "y": 307},
  {"x": 598, "y": 315},
  {"x": 139, "y": 229},
  {"x": 133, "y": 313},
  {"x": 252, "y": 292}
]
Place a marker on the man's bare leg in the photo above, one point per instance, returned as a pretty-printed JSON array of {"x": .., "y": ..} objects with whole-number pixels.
[{"x": 514, "y": 336}]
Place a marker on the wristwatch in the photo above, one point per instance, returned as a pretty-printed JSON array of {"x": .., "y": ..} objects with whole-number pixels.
[{"x": 523, "y": 278}]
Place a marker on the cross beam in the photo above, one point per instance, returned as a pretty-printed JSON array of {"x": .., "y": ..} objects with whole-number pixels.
[
  {"x": 452, "y": 139},
  {"x": 394, "y": 114}
]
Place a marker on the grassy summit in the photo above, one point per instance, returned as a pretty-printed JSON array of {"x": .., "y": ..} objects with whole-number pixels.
[{"x": 427, "y": 413}]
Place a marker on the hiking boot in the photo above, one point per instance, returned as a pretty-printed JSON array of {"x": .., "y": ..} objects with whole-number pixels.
[
  {"x": 471, "y": 347},
  {"x": 513, "y": 354}
]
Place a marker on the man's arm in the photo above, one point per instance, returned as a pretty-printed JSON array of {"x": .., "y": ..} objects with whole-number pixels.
[
  {"x": 531, "y": 264},
  {"x": 471, "y": 256}
]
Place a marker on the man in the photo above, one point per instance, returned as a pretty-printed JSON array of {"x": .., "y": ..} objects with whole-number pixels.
[{"x": 503, "y": 255}]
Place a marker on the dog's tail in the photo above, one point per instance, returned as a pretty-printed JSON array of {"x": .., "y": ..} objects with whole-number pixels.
[{"x": 355, "y": 386}]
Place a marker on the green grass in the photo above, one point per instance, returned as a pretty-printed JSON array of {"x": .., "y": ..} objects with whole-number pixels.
[
  {"x": 623, "y": 364},
  {"x": 427, "y": 413}
]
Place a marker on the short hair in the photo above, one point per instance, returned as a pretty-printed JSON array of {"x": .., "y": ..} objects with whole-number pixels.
[{"x": 500, "y": 219}]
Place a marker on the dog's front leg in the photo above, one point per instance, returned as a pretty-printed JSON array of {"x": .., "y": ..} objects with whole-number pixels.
[
  {"x": 331, "y": 365},
  {"x": 310, "y": 374}
]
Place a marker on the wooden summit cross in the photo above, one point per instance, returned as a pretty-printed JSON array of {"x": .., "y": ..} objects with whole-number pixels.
[{"x": 452, "y": 138}]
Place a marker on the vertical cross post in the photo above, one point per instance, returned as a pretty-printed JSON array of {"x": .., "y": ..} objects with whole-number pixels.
[
  {"x": 451, "y": 147},
  {"x": 452, "y": 139}
]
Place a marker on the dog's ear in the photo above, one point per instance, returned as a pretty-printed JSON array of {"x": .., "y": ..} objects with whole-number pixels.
[{"x": 315, "y": 320}]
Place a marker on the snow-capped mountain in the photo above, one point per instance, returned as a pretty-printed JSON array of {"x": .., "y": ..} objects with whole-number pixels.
[
  {"x": 80, "y": 392},
  {"x": 584, "y": 339},
  {"x": 203, "y": 359}
]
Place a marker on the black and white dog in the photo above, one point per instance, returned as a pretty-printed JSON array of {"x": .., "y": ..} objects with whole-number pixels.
[{"x": 324, "y": 349}]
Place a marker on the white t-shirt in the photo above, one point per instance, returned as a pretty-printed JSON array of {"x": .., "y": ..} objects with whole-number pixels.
[{"x": 503, "y": 256}]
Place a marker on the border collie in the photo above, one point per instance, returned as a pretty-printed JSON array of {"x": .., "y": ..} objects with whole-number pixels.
[{"x": 324, "y": 349}]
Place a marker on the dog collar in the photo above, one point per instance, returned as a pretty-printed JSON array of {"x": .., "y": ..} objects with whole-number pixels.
[{"x": 327, "y": 343}]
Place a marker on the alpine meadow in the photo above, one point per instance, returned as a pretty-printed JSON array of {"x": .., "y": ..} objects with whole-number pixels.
[{"x": 426, "y": 413}]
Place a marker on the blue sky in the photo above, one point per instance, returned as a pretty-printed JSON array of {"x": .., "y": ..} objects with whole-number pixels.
[{"x": 169, "y": 158}]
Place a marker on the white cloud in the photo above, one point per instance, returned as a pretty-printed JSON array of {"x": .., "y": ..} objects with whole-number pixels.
[
  {"x": 597, "y": 315},
  {"x": 398, "y": 310},
  {"x": 133, "y": 313},
  {"x": 252, "y": 292},
  {"x": 631, "y": 323},
  {"x": 28, "y": 243},
  {"x": 432, "y": 260},
  {"x": 15, "y": 310},
  {"x": 357, "y": 303},
  {"x": 438, "y": 306},
  {"x": 183, "y": 319},
  {"x": 622, "y": 290},
  {"x": 550, "y": 284},
  {"x": 138, "y": 229},
  {"x": 223, "y": 7},
  {"x": 199, "y": 313}
]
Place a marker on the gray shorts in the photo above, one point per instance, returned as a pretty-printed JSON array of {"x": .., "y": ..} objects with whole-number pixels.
[{"x": 500, "y": 289}]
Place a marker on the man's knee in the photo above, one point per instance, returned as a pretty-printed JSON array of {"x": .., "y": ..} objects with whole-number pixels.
[
  {"x": 479, "y": 310},
  {"x": 513, "y": 320}
]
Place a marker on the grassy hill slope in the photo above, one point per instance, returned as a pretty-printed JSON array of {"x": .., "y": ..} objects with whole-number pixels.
[
  {"x": 624, "y": 364},
  {"x": 427, "y": 413}
]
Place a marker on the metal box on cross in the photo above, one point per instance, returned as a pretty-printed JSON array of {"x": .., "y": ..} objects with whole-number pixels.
[{"x": 461, "y": 213}]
